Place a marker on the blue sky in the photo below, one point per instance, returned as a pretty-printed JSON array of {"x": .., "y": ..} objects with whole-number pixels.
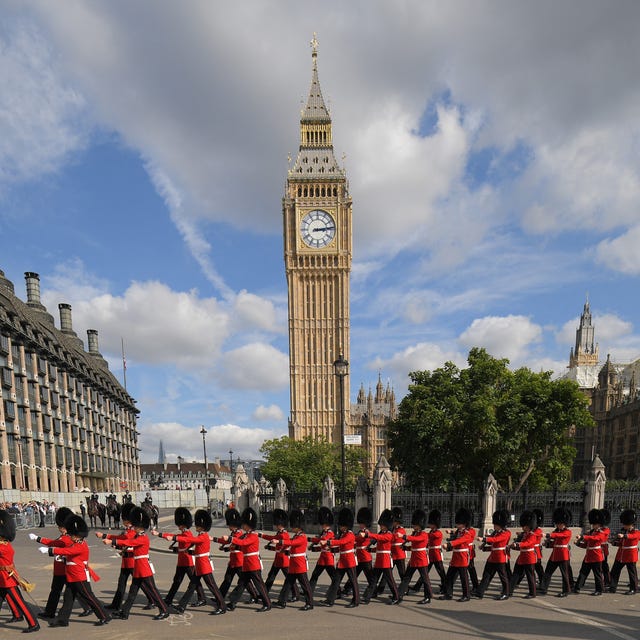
[{"x": 493, "y": 156}]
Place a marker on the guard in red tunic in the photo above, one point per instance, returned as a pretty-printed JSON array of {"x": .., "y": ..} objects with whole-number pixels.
[
  {"x": 326, "y": 561},
  {"x": 458, "y": 543},
  {"x": 58, "y": 581},
  {"x": 496, "y": 544},
  {"x": 185, "y": 564},
  {"x": 606, "y": 572},
  {"x": 77, "y": 573},
  {"x": 364, "y": 517},
  {"x": 345, "y": 546},
  {"x": 281, "y": 559},
  {"x": 592, "y": 542},
  {"x": 559, "y": 542},
  {"x": 398, "y": 554},
  {"x": 9, "y": 581},
  {"x": 419, "y": 560},
  {"x": 539, "y": 534},
  {"x": 249, "y": 543},
  {"x": 435, "y": 550},
  {"x": 298, "y": 565},
  {"x": 525, "y": 543},
  {"x": 382, "y": 566},
  {"x": 627, "y": 555},
  {"x": 200, "y": 550},
  {"x": 142, "y": 569}
]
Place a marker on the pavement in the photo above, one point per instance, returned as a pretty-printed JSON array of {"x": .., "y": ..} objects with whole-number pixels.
[{"x": 579, "y": 617}]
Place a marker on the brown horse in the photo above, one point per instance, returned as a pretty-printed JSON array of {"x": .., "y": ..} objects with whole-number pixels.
[
  {"x": 152, "y": 511},
  {"x": 113, "y": 512},
  {"x": 96, "y": 511}
]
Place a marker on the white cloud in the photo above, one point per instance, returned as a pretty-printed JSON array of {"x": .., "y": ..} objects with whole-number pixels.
[
  {"x": 608, "y": 327},
  {"x": 254, "y": 366},
  {"x": 621, "y": 253},
  {"x": 503, "y": 337},
  {"x": 272, "y": 413},
  {"x": 254, "y": 312}
]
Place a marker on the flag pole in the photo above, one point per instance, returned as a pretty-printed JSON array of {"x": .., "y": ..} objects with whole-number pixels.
[{"x": 124, "y": 365}]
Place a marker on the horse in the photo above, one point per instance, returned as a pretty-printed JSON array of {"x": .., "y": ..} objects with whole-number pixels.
[
  {"x": 113, "y": 513},
  {"x": 152, "y": 511},
  {"x": 96, "y": 510}
]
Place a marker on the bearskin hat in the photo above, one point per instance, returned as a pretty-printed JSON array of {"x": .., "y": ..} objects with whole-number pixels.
[
  {"x": 419, "y": 518},
  {"x": 386, "y": 519},
  {"x": 345, "y": 518},
  {"x": 138, "y": 518},
  {"x": 7, "y": 526},
  {"x": 364, "y": 517},
  {"x": 606, "y": 516},
  {"x": 62, "y": 514},
  {"x": 125, "y": 513},
  {"x": 562, "y": 515},
  {"x": 435, "y": 517},
  {"x": 232, "y": 517},
  {"x": 500, "y": 518},
  {"x": 595, "y": 516},
  {"x": 463, "y": 516},
  {"x": 628, "y": 516},
  {"x": 203, "y": 519},
  {"x": 296, "y": 519},
  {"x": 183, "y": 518},
  {"x": 528, "y": 519},
  {"x": 76, "y": 526},
  {"x": 397, "y": 514},
  {"x": 325, "y": 515},
  {"x": 249, "y": 518},
  {"x": 280, "y": 517},
  {"x": 539, "y": 513}
]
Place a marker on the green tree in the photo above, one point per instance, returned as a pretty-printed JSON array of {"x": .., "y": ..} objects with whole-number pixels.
[
  {"x": 308, "y": 461},
  {"x": 458, "y": 425}
]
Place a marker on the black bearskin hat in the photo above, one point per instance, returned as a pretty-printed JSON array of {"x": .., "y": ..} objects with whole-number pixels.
[
  {"x": 138, "y": 518},
  {"x": 62, "y": 514},
  {"x": 249, "y": 518},
  {"x": 435, "y": 517},
  {"x": 562, "y": 515},
  {"x": 7, "y": 526},
  {"x": 528, "y": 519},
  {"x": 386, "y": 519},
  {"x": 182, "y": 517},
  {"x": 345, "y": 518},
  {"x": 232, "y": 517},
  {"x": 500, "y": 518},
  {"x": 364, "y": 517},
  {"x": 203, "y": 519},
  {"x": 125, "y": 513},
  {"x": 280, "y": 517},
  {"x": 296, "y": 519},
  {"x": 397, "y": 514},
  {"x": 419, "y": 519},
  {"x": 628, "y": 516},
  {"x": 539, "y": 514},
  {"x": 606, "y": 516},
  {"x": 463, "y": 516},
  {"x": 325, "y": 516},
  {"x": 76, "y": 526},
  {"x": 595, "y": 516}
]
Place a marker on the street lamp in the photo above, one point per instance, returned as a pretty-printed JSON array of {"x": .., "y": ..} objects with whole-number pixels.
[
  {"x": 231, "y": 460},
  {"x": 341, "y": 370},
  {"x": 180, "y": 461},
  {"x": 203, "y": 431}
]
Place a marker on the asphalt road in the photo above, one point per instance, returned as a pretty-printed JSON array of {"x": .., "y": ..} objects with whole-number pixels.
[{"x": 579, "y": 617}]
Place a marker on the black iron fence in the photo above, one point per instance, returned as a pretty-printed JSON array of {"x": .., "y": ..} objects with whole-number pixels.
[{"x": 445, "y": 502}]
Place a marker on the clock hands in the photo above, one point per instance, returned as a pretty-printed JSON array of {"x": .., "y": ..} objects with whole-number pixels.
[{"x": 322, "y": 229}]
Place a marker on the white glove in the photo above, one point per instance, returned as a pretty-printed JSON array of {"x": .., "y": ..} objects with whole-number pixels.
[
  {"x": 43, "y": 549},
  {"x": 33, "y": 536}
]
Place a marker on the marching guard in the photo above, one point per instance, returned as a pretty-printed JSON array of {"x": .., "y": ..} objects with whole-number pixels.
[
  {"x": 275, "y": 543},
  {"x": 525, "y": 543},
  {"x": 627, "y": 555},
  {"x": 326, "y": 561},
  {"x": 382, "y": 565},
  {"x": 593, "y": 557},
  {"x": 458, "y": 543},
  {"x": 497, "y": 544},
  {"x": 559, "y": 541},
  {"x": 419, "y": 560}
]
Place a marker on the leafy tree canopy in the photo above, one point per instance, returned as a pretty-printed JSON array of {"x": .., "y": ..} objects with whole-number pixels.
[
  {"x": 458, "y": 425},
  {"x": 308, "y": 461}
]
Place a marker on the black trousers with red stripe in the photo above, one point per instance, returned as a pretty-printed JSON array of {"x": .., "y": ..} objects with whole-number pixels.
[
  {"x": 195, "y": 585},
  {"x": 246, "y": 578},
  {"x": 271, "y": 576},
  {"x": 387, "y": 576},
  {"x": 350, "y": 572},
  {"x": 229, "y": 575},
  {"x": 424, "y": 578},
  {"x": 290, "y": 581},
  {"x": 16, "y": 603},
  {"x": 178, "y": 577},
  {"x": 148, "y": 586},
  {"x": 83, "y": 592}
]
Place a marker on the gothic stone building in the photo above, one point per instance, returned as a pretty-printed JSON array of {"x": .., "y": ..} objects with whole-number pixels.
[{"x": 66, "y": 423}]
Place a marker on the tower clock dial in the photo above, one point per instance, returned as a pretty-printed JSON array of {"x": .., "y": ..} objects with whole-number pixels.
[{"x": 317, "y": 228}]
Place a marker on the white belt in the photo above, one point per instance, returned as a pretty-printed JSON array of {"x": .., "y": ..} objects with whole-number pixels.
[
  {"x": 398, "y": 544},
  {"x": 383, "y": 551},
  {"x": 140, "y": 557},
  {"x": 347, "y": 551},
  {"x": 298, "y": 555},
  {"x": 438, "y": 547},
  {"x": 529, "y": 550},
  {"x": 72, "y": 564},
  {"x": 560, "y": 546},
  {"x": 460, "y": 550},
  {"x": 201, "y": 555},
  {"x": 498, "y": 548},
  {"x": 253, "y": 553},
  {"x": 419, "y": 549},
  {"x": 634, "y": 547},
  {"x": 593, "y": 548}
]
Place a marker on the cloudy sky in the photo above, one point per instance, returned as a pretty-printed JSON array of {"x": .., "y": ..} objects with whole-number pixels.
[{"x": 493, "y": 153}]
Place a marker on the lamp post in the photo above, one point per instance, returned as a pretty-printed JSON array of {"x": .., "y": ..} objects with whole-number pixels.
[
  {"x": 180, "y": 461},
  {"x": 203, "y": 431},
  {"x": 231, "y": 460},
  {"x": 341, "y": 369}
]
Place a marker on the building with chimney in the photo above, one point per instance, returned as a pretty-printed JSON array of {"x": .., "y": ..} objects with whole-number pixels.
[{"x": 66, "y": 423}]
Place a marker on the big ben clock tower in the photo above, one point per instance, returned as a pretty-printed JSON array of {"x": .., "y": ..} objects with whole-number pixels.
[{"x": 317, "y": 253}]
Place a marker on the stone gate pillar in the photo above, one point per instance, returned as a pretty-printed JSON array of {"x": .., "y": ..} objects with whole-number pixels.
[
  {"x": 280, "y": 500},
  {"x": 362, "y": 494},
  {"x": 489, "y": 500},
  {"x": 240, "y": 488},
  {"x": 595, "y": 489},
  {"x": 382, "y": 483},
  {"x": 328, "y": 493}
]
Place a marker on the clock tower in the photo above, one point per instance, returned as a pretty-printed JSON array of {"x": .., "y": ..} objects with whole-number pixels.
[{"x": 316, "y": 212}]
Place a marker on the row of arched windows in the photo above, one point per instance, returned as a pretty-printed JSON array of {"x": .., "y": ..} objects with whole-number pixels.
[{"x": 317, "y": 191}]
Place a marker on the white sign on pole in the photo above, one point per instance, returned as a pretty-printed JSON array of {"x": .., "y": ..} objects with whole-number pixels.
[{"x": 353, "y": 439}]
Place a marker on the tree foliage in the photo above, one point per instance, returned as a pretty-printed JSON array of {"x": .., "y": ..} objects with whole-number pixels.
[
  {"x": 308, "y": 461},
  {"x": 458, "y": 425}
]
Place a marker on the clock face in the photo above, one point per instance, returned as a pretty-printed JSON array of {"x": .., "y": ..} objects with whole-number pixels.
[{"x": 318, "y": 229}]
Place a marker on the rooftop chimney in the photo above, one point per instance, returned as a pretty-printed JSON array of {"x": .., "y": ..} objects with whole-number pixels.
[
  {"x": 66, "y": 325},
  {"x": 33, "y": 295},
  {"x": 92, "y": 340},
  {"x": 5, "y": 283}
]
